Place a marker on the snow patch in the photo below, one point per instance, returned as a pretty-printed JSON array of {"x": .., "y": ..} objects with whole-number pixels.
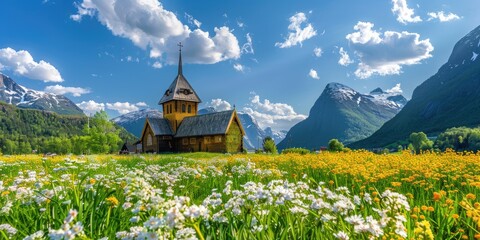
[{"x": 474, "y": 57}]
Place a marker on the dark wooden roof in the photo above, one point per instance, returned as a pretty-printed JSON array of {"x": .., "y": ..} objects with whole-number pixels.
[
  {"x": 207, "y": 124},
  {"x": 180, "y": 89},
  {"x": 160, "y": 126}
]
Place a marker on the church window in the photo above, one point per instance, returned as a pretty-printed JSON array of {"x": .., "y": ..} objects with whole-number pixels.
[
  {"x": 189, "y": 109},
  {"x": 206, "y": 140},
  {"x": 192, "y": 140},
  {"x": 149, "y": 140},
  {"x": 218, "y": 139},
  {"x": 185, "y": 141},
  {"x": 183, "y": 108}
]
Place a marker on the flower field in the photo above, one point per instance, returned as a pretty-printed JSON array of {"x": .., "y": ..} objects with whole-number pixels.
[{"x": 355, "y": 195}]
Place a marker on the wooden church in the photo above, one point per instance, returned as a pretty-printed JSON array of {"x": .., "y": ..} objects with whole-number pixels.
[{"x": 182, "y": 130}]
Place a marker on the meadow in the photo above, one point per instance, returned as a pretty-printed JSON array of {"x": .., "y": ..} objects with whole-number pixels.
[{"x": 353, "y": 195}]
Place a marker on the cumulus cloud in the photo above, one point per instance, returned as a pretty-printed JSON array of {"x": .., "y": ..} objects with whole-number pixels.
[
  {"x": 386, "y": 53},
  {"x": 238, "y": 67},
  {"x": 278, "y": 116},
  {"x": 443, "y": 17},
  {"x": 318, "y": 52},
  {"x": 297, "y": 34},
  {"x": 248, "y": 46},
  {"x": 313, "y": 74},
  {"x": 219, "y": 105},
  {"x": 395, "y": 90},
  {"x": 404, "y": 13},
  {"x": 22, "y": 63},
  {"x": 150, "y": 26},
  {"x": 91, "y": 107},
  {"x": 345, "y": 59},
  {"x": 125, "y": 107},
  {"x": 61, "y": 90}
]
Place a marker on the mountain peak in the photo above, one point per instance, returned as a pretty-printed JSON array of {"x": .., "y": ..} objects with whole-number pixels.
[
  {"x": 377, "y": 91},
  {"x": 20, "y": 96}
]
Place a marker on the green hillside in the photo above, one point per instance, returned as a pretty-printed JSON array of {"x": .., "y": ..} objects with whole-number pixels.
[{"x": 24, "y": 130}]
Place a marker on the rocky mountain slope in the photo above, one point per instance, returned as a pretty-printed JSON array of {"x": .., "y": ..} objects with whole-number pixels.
[
  {"x": 22, "y": 97},
  {"x": 343, "y": 113},
  {"x": 450, "y": 98}
]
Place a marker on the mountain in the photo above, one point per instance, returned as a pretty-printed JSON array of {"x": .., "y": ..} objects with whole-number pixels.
[
  {"x": 22, "y": 97},
  {"x": 277, "y": 136},
  {"x": 133, "y": 121},
  {"x": 345, "y": 114},
  {"x": 450, "y": 98}
]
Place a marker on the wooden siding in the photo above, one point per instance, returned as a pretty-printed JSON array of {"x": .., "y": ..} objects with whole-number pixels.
[
  {"x": 234, "y": 138},
  {"x": 154, "y": 146},
  {"x": 172, "y": 111}
]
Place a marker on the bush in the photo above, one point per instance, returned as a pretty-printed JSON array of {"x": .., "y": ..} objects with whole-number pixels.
[
  {"x": 335, "y": 146},
  {"x": 302, "y": 151},
  {"x": 269, "y": 145}
]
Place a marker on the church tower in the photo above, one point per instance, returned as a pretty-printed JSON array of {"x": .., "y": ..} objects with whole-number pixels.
[{"x": 179, "y": 100}]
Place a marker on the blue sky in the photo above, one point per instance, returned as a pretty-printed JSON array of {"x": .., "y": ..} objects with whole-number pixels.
[{"x": 263, "y": 57}]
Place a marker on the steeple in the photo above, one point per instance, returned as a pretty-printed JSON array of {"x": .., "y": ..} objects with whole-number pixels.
[{"x": 180, "y": 72}]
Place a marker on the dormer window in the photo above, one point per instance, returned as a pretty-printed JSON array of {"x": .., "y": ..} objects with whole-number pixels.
[
  {"x": 185, "y": 91},
  {"x": 167, "y": 93}
]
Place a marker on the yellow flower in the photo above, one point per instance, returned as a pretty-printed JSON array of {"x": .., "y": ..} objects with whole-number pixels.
[
  {"x": 430, "y": 209},
  {"x": 92, "y": 181},
  {"x": 422, "y": 230},
  {"x": 455, "y": 216},
  {"x": 112, "y": 201},
  {"x": 424, "y": 208},
  {"x": 436, "y": 196},
  {"x": 471, "y": 196}
]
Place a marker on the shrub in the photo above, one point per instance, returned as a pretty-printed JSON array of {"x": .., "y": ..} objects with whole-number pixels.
[
  {"x": 335, "y": 146},
  {"x": 269, "y": 145},
  {"x": 302, "y": 151}
]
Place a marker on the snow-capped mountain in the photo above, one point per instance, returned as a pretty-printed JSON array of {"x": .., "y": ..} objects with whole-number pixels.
[
  {"x": 15, "y": 94},
  {"x": 133, "y": 121},
  {"x": 277, "y": 136},
  {"x": 450, "y": 98},
  {"x": 343, "y": 113}
]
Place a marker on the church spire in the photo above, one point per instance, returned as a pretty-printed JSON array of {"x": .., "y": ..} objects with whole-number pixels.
[{"x": 180, "y": 72}]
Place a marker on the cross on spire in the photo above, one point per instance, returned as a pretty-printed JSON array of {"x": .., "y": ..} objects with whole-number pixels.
[{"x": 180, "y": 45}]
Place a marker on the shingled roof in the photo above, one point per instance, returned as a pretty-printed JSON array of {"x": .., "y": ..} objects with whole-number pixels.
[
  {"x": 207, "y": 124},
  {"x": 160, "y": 126},
  {"x": 180, "y": 89}
]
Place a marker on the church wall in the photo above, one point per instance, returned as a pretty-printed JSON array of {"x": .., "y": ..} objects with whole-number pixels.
[
  {"x": 172, "y": 111},
  {"x": 149, "y": 141},
  {"x": 165, "y": 144},
  {"x": 201, "y": 144},
  {"x": 234, "y": 138}
]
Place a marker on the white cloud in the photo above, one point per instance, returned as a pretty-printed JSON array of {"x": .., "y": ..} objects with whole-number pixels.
[
  {"x": 61, "y": 90},
  {"x": 22, "y": 63},
  {"x": 248, "y": 46},
  {"x": 313, "y": 74},
  {"x": 297, "y": 34},
  {"x": 141, "y": 104},
  {"x": 345, "y": 59},
  {"x": 442, "y": 17},
  {"x": 278, "y": 116},
  {"x": 404, "y": 14},
  {"x": 219, "y": 105},
  {"x": 395, "y": 90},
  {"x": 192, "y": 20},
  {"x": 91, "y": 107},
  {"x": 318, "y": 52},
  {"x": 149, "y": 26},
  {"x": 385, "y": 53},
  {"x": 125, "y": 107},
  {"x": 238, "y": 67},
  {"x": 157, "y": 65}
]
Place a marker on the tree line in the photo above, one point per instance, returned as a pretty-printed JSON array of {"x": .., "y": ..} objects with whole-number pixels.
[{"x": 24, "y": 131}]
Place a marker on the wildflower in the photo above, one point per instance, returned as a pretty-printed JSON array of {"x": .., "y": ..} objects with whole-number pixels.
[
  {"x": 436, "y": 196},
  {"x": 341, "y": 235},
  {"x": 35, "y": 236},
  {"x": 455, "y": 216},
  {"x": 470, "y": 196},
  {"x": 112, "y": 201},
  {"x": 8, "y": 229}
]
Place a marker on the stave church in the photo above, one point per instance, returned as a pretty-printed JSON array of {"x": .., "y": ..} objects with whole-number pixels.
[{"x": 182, "y": 130}]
